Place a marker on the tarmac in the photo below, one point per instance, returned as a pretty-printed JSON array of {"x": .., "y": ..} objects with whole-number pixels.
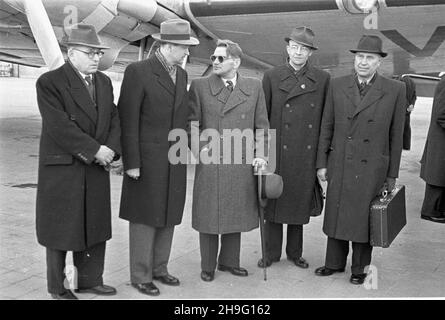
[{"x": 412, "y": 267}]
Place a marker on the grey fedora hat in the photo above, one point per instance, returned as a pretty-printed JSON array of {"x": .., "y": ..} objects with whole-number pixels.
[
  {"x": 82, "y": 35},
  {"x": 176, "y": 31},
  {"x": 370, "y": 44},
  {"x": 302, "y": 35}
]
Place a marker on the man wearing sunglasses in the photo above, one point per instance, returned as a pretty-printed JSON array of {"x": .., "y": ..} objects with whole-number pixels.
[
  {"x": 295, "y": 95},
  {"x": 224, "y": 195},
  {"x": 80, "y": 138}
]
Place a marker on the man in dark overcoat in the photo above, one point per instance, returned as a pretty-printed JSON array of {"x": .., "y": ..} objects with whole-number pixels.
[
  {"x": 295, "y": 96},
  {"x": 225, "y": 190},
  {"x": 80, "y": 138},
  {"x": 433, "y": 161},
  {"x": 153, "y": 101},
  {"x": 359, "y": 155}
]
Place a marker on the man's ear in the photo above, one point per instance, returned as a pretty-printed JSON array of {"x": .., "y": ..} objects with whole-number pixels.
[{"x": 237, "y": 62}]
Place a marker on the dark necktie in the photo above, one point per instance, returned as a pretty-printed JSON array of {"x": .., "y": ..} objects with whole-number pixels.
[
  {"x": 90, "y": 86},
  {"x": 229, "y": 85},
  {"x": 363, "y": 89}
]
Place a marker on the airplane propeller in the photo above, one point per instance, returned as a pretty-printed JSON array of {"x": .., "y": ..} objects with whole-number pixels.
[{"x": 43, "y": 33}]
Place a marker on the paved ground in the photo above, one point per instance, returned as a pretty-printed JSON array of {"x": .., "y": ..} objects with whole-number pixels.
[{"x": 414, "y": 266}]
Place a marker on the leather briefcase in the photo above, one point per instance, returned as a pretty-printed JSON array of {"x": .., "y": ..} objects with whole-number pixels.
[{"x": 387, "y": 217}]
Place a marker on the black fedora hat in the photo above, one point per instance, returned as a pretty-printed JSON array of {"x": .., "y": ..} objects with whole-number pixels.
[
  {"x": 82, "y": 35},
  {"x": 302, "y": 35},
  {"x": 176, "y": 31},
  {"x": 370, "y": 44}
]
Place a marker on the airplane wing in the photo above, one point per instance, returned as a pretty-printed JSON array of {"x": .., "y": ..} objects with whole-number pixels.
[{"x": 413, "y": 31}]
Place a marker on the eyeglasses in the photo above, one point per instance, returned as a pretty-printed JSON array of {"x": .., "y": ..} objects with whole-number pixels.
[
  {"x": 91, "y": 54},
  {"x": 221, "y": 59},
  {"x": 302, "y": 49}
]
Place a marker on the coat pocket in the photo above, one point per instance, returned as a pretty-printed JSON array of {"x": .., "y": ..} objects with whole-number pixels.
[{"x": 58, "y": 159}]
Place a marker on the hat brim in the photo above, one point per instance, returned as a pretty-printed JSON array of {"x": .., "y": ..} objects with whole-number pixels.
[
  {"x": 301, "y": 42},
  {"x": 68, "y": 43},
  {"x": 382, "y": 54},
  {"x": 191, "y": 42}
]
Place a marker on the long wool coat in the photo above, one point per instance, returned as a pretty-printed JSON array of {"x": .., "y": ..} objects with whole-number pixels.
[
  {"x": 150, "y": 106},
  {"x": 73, "y": 193},
  {"x": 360, "y": 145},
  {"x": 433, "y": 159},
  {"x": 225, "y": 195},
  {"x": 295, "y": 109}
]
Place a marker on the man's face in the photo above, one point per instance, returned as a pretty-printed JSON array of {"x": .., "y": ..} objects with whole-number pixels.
[
  {"x": 85, "y": 59},
  {"x": 227, "y": 67},
  {"x": 177, "y": 53},
  {"x": 366, "y": 64},
  {"x": 298, "y": 53}
]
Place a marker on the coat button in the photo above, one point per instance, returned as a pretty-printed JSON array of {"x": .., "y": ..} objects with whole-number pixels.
[
  {"x": 348, "y": 158},
  {"x": 286, "y": 126},
  {"x": 72, "y": 117},
  {"x": 312, "y": 105},
  {"x": 287, "y": 105},
  {"x": 366, "y": 141},
  {"x": 370, "y": 120},
  {"x": 243, "y": 116},
  {"x": 349, "y": 138},
  {"x": 310, "y": 126},
  {"x": 309, "y": 147},
  {"x": 364, "y": 161},
  {"x": 285, "y": 147}
]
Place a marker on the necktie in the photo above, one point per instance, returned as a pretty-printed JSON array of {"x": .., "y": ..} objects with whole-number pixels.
[
  {"x": 90, "y": 86},
  {"x": 229, "y": 85}
]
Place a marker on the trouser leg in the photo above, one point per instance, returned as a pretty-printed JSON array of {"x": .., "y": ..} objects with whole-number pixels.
[
  {"x": 162, "y": 249},
  {"x": 208, "y": 245},
  {"x": 90, "y": 265},
  {"x": 141, "y": 252},
  {"x": 361, "y": 257},
  {"x": 294, "y": 242},
  {"x": 434, "y": 201},
  {"x": 55, "y": 265},
  {"x": 336, "y": 253},
  {"x": 274, "y": 239},
  {"x": 229, "y": 254}
]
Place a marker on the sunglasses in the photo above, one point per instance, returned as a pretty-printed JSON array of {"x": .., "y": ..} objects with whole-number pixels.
[
  {"x": 221, "y": 59},
  {"x": 91, "y": 54}
]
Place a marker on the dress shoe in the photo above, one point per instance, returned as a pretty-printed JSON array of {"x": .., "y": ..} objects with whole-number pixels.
[
  {"x": 358, "y": 278},
  {"x": 168, "y": 279},
  {"x": 66, "y": 295},
  {"x": 207, "y": 275},
  {"x": 102, "y": 290},
  {"x": 268, "y": 262},
  {"x": 325, "y": 271},
  {"x": 299, "y": 262},
  {"x": 147, "y": 288},
  {"x": 434, "y": 219},
  {"x": 236, "y": 271}
]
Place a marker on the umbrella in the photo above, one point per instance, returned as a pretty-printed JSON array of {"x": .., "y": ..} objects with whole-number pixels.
[{"x": 261, "y": 205}]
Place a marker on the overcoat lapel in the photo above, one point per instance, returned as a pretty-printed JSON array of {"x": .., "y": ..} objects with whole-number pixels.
[
  {"x": 80, "y": 93},
  {"x": 295, "y": 88},
  {"x": 180, "y": 88},
  {"x": 374, "y": 94},
  {"x": 102, "y": 109},
  {"x": 353, "y": 94},
  {"x": 162, "y": 75}
]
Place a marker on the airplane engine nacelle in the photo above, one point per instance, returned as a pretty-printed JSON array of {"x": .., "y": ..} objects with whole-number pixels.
[{"x": 141, "y": 10}]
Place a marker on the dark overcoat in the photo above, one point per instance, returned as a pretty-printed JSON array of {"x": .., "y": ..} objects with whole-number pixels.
[
  {"x": 225, "y": 195},
  {"x": 150, "y": 106},
  {"x": 295, "y": 109},
  {"x": 73, "y": 193},
  {"x": 360, "y": 145},
  {"x": 433, "y": 158}
]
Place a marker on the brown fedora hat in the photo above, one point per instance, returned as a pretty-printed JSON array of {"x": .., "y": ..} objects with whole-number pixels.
[
  {"x": 176, "y": 31},
  {"x": 304, "y": 36},
  {"x": 370, "y": 44},
  {"x": 82, "y": 35}
]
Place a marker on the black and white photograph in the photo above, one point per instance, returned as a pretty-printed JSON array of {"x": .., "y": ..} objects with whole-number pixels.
[{"x": 237, "y": 152}]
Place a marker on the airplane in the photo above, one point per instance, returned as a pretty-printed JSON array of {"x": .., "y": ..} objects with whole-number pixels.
[{"x": 413, "y": 31}]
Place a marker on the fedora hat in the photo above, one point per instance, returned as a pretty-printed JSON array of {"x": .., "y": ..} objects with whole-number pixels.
[
  {"x": 370, "y": 44},
  {"x": 82, "y": 35},
  {"x": 176, "y": 31},
  {"x": 270, "y": 186},
  {"x": 302, "y": 35}
]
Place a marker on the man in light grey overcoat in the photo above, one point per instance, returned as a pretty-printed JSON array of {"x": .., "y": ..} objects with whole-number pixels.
[{"x": 224, "y": 196}]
